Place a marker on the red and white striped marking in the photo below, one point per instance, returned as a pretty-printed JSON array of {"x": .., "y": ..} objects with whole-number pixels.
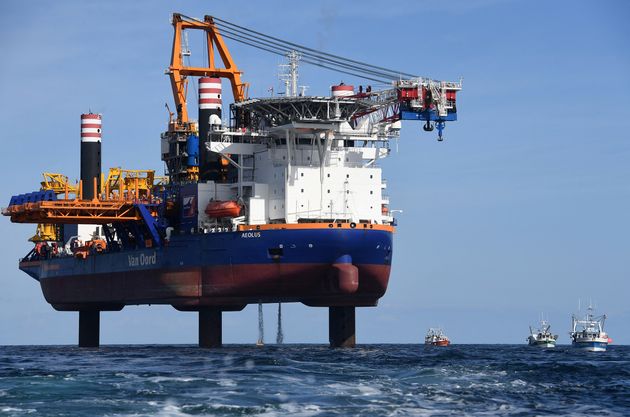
[
  {"x": 90, "y": 127},
  {"x": 342, "y": 90},
  {"x": 209, "y": 93}
]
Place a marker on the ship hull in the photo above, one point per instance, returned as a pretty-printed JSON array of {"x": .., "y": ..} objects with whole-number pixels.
[
  {"x": 543, "y": 344},
  {"x": 591, "y": 346},
  {"x": 227, "y": 270},
  {"x": 440, "y": 343}
]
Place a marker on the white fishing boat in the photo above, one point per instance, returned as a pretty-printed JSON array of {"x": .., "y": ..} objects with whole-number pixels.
[
  {"x": 542, "y": 337},
  {"x": 588, "y": 333}
]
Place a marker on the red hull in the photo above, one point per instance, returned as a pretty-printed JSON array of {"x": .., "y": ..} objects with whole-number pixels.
[{"x": 231, "y": 287}]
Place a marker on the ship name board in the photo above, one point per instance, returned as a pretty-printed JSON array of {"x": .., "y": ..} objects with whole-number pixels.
[
  {"x": 142, "y": 259},
  {"x": 249, "y": 235}
]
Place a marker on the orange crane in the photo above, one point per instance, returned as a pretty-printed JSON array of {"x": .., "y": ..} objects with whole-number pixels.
[{"x": 179, "y": 72}]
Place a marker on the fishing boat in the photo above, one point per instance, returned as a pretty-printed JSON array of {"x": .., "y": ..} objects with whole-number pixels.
[
  {"x": 436, "y": 337},
  {"x": 542, "y": 337},
  {"x": 588, "y": 333}
]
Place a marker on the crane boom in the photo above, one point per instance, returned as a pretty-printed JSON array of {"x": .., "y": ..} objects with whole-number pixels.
[{"x": 179, "y": 72}]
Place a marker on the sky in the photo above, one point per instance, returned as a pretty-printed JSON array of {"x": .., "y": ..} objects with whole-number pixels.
[{"x": 522, "y": 210}]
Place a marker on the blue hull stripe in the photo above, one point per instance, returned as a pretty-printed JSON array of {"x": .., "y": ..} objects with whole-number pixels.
[
  {"x": 310, "y": 246},
  {"x": 601, "y": 345}
]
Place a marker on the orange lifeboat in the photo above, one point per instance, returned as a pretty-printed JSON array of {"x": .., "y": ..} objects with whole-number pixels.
[{"x": 223, "y": 209}]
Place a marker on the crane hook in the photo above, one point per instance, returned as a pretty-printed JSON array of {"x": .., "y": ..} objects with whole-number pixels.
[
  {"x": 440, "y": 127},
  {"x": 428, "y": 127}
]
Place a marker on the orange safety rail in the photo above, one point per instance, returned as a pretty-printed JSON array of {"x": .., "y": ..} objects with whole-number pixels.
[
  {"x": 302, "y": 226},
  {"x": 74, "y": 212}
]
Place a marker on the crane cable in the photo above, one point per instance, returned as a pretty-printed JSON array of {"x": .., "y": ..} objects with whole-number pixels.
[
  {"x": 309, "y": 55},
  {"x": 310, "y": 51},
  {"x": 277, "y": 47},
  {"x": 380, "y": 80}
]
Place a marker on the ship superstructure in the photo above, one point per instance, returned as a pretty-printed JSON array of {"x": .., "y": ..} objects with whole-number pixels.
[{"x": 284, "y": 202}]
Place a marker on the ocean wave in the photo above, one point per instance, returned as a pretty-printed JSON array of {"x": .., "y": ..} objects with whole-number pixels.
[{"x": 377, "y": 380}]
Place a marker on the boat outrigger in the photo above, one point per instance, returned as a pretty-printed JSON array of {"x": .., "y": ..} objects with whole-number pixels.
[
  {"x": 588, "y": 333},
  {"x": 543, "y": 336}
]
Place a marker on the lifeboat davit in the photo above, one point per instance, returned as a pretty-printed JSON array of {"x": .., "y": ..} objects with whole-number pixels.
[{"x": 223, "y": 209}]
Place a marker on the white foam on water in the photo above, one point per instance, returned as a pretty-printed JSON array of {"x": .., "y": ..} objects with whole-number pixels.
[
  {"x": 368, "y": 390},
  {"x": 158, "y": 379},
  {"x": 170, "y": 409},
  {"x": 446, "y": 398},
  {"x": 14, "y": 410},
  {"x": 226, "y": 382},
  {"x": 300, "y": 410},
  {"x": 228, "y": 360},
  {"x": 126, "y": 375},
  {"x": 282, "y": 396},
  {"x": 417, "y": 412}
]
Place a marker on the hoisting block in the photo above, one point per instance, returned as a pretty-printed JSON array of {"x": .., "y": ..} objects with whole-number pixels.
[
  {"x": 89, "y": 328},
  {"x": 341, "y": 326},
  {"x": 210, "y": 328}
]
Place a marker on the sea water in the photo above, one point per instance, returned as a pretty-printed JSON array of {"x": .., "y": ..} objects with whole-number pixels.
[{"x": 314, "y": 380}]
